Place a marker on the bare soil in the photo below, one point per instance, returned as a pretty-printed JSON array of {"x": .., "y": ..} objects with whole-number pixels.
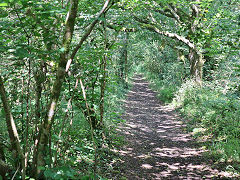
[{"x": 157, "y": 146}]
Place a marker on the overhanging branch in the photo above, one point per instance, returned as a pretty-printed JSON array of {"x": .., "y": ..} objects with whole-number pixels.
[
  {"x": 172, "y": 35},
  {"x": 89, "y": 30},
  {"x": 153, "y": 27}
]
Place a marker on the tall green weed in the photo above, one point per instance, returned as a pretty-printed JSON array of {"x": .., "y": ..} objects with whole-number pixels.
[{"x": 215, "y": 112}]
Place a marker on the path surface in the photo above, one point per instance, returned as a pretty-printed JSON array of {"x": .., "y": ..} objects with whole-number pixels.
[{"x": 157, "y": 147}]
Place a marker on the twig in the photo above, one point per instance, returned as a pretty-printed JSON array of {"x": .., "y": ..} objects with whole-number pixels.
[{"x": 15, "y": 173}]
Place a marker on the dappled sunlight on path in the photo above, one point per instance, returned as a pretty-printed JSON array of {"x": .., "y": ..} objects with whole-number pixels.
[{"x": 157, "y": 147}]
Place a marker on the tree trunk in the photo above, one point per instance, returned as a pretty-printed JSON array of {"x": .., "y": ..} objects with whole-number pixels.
[
  {"x": 126, "y": 57},
  {"x": 103, "y": 66},
  {"x": 123, "y": 63},
  {"x": 195, "y": 57},
  {"x": 196, "y": 65},
  {"x": 12, "y": 130},
  {"x": 41, "y": 153},
  {"x": 103, "y": 86}
]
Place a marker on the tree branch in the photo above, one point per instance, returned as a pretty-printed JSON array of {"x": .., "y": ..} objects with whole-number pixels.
[
  {"x": 172, "y": 35},
  {"x": 152, "y": 27},
  {"x": 43, "y": 139},
  {"x": 162, "y": 12},
  {"x": 89, "y": 30},
  {"x": 171, "y": 11}
]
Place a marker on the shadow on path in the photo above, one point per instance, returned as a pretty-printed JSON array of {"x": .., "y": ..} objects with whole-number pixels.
[{"x": 157, "y": 147}]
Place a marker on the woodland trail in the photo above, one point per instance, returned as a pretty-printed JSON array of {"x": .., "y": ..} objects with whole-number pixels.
[{"x": 157, "y": 147}]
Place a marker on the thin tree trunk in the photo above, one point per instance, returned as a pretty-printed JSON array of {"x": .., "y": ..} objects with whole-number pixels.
[
  {"x": 69, "y": 106},
  {"x": 126, "y": 57},
  {"x": 39, "y": 79},
  {"x": 27, "y": 123},
  {"x": 102, "y": 93},
  {"x": 40, "y": 152},
  {"x": 12, "y": 130},
  {"x": 2, "y": 156},
  {"x": 43, "y": 139},
  {"x": 123, "y": 63},
  {"x": 103, "y": 79}
]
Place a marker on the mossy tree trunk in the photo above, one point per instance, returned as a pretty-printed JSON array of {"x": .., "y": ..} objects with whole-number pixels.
[{"x": 196, "y": 65}]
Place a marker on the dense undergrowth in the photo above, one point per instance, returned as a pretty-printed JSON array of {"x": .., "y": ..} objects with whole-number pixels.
[
  {"x": 214, "y": 116},
  {"x": 212, "y": 111},
  {"x": 79, "y": 154},
  {"x": 90, "y": 157}
]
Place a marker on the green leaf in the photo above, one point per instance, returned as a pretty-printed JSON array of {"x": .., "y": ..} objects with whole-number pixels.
[
  {"x": 3, "y": 4},
  {"x": 21, "y": 52},
  {"x": 62, "y": 49},
  {"x": 57, "y": 137},
  {"x": 48, "y": 173},
  {"x": 78, "y": 148},
  {"x": 41, "y": 168}
]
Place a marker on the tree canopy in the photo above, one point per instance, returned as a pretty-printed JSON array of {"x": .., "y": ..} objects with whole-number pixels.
[{"x": 66, "y": 64}]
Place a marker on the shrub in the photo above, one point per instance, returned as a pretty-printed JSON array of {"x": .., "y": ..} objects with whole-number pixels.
[{"x": 218, "y": 113}]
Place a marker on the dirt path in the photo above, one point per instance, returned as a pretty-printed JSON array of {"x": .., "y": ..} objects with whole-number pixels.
[{"x": 157, "y": 147}]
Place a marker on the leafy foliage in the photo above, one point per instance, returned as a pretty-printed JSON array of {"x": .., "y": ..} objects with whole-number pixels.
[{"x": 63, "y": 90}]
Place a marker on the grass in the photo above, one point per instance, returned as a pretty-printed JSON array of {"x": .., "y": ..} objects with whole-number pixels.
[
  {"x": 218, "y": 114},
  {"x": 213, "y": 115},
  {"x": 166, "y": 91}
]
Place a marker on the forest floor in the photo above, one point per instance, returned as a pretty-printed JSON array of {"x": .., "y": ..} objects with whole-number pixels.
[{"x": 157, "y": 147}]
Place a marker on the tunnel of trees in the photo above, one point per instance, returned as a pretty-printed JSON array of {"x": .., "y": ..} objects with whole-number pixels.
[{"x": 65, "y": 65}]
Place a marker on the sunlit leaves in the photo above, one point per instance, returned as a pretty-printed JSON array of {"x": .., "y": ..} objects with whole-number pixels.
[
  {"x": 3, "y": 5},
  {"x": 30, "y": 45}
]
